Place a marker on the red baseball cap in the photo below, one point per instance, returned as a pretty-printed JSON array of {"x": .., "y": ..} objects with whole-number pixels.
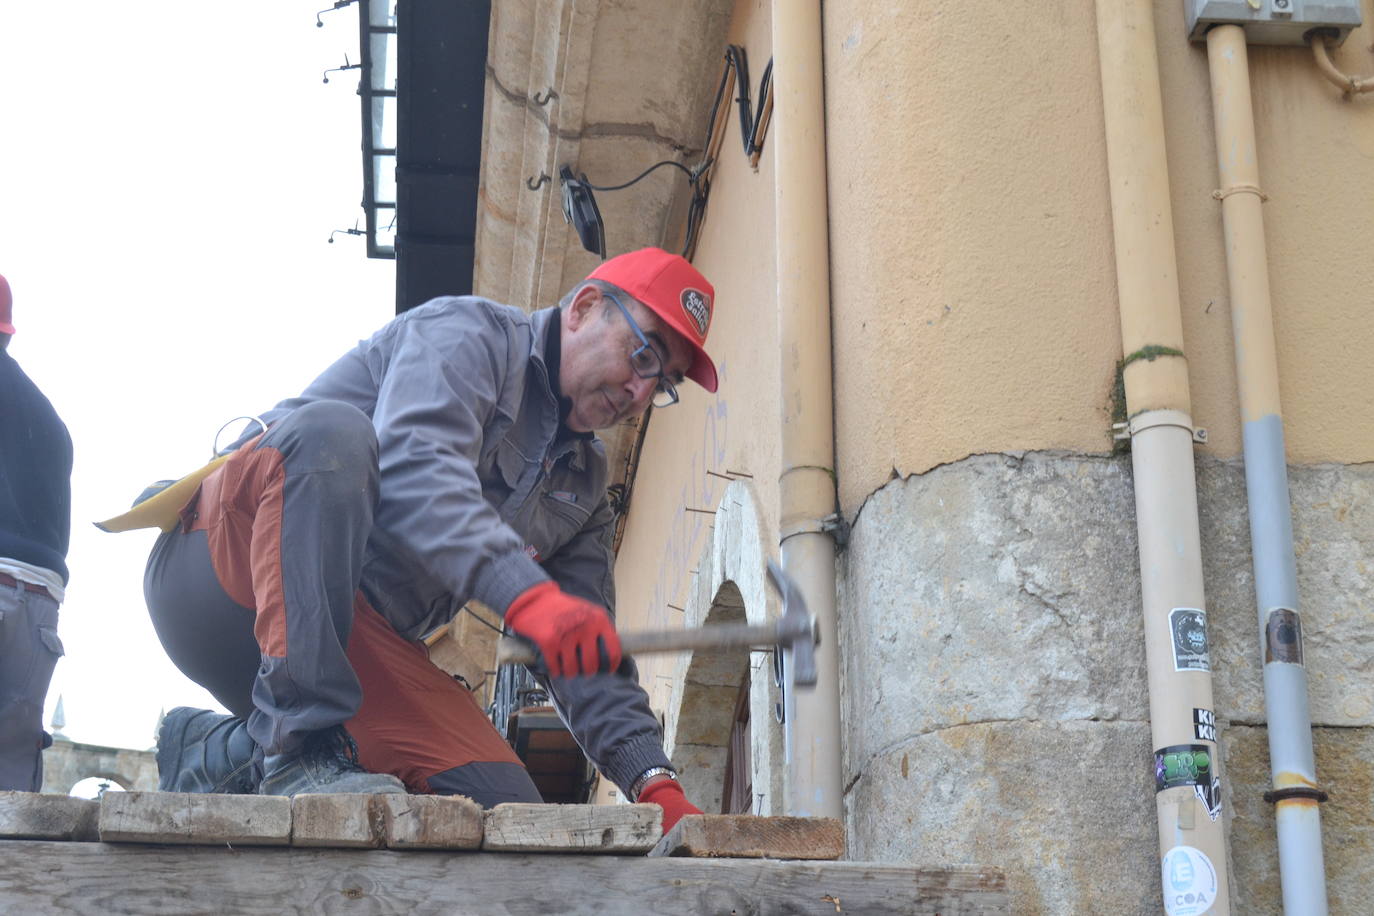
[
  {"x": 6, "y": 303},
  {"x": 673, "y": 290}
]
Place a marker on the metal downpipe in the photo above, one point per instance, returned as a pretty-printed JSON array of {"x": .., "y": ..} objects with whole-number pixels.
[
  {"x": 1185, "y": 766},
  {"x": 1292, "y": 767},
  {"x": 807, "y": 484}
]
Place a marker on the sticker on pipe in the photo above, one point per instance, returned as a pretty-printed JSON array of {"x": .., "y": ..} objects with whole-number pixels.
[
  {"x": 1190, "y": 765},
  {"x": 1188, "y": 633},
  {"x": 1283, "y": 637},
  {"x": 1189, "y": 881},
  {"x": 1204, "y": 724}
]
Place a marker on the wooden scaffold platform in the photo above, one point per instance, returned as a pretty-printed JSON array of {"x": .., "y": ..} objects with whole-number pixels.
[{"x": 156, "y": 853}]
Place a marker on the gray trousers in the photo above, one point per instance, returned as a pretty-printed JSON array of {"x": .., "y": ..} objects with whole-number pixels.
[
  {"x": 285, "y": 521},
  {"x": 255, "y": 597},
  {"x": 29, "y": 650}
]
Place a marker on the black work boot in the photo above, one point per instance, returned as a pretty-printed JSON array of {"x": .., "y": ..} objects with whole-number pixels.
[
  {"x": 203, "y": 751},
  {"x": 327, "y": 763}
]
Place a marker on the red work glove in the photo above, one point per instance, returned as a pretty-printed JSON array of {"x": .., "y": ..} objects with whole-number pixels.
[
  {"x": 667, "y": 794},
  {"x": 573, "y": 636}
]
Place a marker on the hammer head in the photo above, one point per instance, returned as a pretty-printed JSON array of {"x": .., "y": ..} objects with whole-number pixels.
[{"x": 797, "y": 629}]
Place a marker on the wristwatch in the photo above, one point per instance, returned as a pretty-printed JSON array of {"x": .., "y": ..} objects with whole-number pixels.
[{"x": 649, "y": 774}]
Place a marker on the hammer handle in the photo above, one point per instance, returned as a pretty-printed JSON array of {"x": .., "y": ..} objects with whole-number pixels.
[{"x": 511, "y": 651}]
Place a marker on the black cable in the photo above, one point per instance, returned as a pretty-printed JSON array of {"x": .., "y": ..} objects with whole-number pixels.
[
  {"x": 715, "y": 106},
  {"x": 480, "y": 619},
  {"x": 740, "y": 61},
  {"x": 695, "y": 210},
  {"x": 735, "y": 59},
  {"x": 691, "y": 176},
  {"x": 750, "y": 146}
]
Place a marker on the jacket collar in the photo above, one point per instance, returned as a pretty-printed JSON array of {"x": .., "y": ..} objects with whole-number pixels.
[{"x": 546, "y": 353}]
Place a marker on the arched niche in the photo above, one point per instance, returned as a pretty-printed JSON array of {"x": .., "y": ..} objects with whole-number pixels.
[{"x": 715, "y": 687}]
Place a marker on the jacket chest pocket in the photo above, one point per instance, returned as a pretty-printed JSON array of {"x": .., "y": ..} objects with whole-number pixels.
[
  {"x": 511, "y": 476},
  {"x": 556, "y": 517}
]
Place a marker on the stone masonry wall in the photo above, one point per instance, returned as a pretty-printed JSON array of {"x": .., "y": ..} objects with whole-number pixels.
[
  {"x": 995, "y": 700},
  {"x": 67, "y": 763}
]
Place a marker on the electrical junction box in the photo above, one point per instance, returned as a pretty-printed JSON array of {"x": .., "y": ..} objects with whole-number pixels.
[{"x": 1274, "y": 22}]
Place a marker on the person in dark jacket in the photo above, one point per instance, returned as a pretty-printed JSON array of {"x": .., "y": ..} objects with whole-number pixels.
[
  {"x": 449, "y": 457},
  {"x": 35, "y": 523}
]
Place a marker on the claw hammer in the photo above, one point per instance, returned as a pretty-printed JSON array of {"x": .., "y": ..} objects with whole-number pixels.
[{"x": 795, "y": 630}]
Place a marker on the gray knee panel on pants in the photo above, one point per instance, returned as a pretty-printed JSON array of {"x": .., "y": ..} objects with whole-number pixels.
[{"x": 29, "y": 650}]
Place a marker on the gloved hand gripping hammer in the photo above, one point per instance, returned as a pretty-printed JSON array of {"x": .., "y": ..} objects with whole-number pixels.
[{"x": 795, "y": 630}]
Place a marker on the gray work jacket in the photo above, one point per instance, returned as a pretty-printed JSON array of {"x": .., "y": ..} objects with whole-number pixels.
[{"x": 481, "y": 499}]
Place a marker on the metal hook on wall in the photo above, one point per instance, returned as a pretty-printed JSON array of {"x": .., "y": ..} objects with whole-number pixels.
[
  {"x": 338, "y": 5},
  {"x": 346, "y": 66},
  {"x": 535, "y": 185},
  {"x": 549, "y": 95},
  {"x": 354, "y": 231}
]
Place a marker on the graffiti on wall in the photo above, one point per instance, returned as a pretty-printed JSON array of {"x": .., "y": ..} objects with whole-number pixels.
[{"x": 699, "y": 490}]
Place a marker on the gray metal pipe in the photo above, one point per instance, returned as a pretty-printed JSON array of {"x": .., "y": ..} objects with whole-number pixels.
[{"x": 1293, "y": 770}]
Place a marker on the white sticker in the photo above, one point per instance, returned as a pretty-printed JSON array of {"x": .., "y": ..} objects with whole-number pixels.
[
  {"x": 1188, "y": 632},
  {"x": 1190, "y": 882},
  {"x": 1204, "y": 724}
]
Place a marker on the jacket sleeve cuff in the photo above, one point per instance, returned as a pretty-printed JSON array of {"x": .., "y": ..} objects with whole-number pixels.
[
  {"x": 632, "y": 758},
  {"x": 506, "y": 578}
]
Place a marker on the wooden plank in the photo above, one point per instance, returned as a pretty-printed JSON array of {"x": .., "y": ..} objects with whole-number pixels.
[
  {"x": 30, "y": 816},
  {"x": 614, "y": 829},
  {"x": 432, "y": 821},
  {"x": 39, "y": 878},
  {"x": 453, "y": 658},
  {"x": 339, "y": 821},
  {"x": 184, "y": 817},
  {"x": 744, "y": 836}
]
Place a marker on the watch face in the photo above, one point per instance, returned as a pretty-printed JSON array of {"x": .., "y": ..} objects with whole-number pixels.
[{"x": 649, "y": 774}]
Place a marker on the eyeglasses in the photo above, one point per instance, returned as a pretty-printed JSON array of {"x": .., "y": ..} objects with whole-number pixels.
[{"x": 645, "y": 360}]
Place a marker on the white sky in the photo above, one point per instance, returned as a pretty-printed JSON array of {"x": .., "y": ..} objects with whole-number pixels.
[{"x": 169, "y": 174}]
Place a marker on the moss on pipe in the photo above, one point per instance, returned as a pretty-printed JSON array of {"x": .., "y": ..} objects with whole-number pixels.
[
  {"x": 1119, "y": 415},
  {"x": 1150, "y": 352}
]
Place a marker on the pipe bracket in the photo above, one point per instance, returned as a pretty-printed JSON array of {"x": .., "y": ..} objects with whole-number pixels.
[
  {"x": 1223, "y": 193},
  {"x": 833, "y": 525},
  {"x": 1277, "y": 795},
  {"x": 1150, "y": 419}
]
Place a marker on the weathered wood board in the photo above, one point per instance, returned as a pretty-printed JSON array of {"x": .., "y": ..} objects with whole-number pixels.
[
  {"x": 431, "y": 821},
  {"x": 602, "y": 829},
  {"x": 30, "y": 816},
  {"x": 338, "y": 821},
  {"x": 182, "y": 817},
  {"x": 39, "y": 878},
  {"x": 744, "y": 836}
]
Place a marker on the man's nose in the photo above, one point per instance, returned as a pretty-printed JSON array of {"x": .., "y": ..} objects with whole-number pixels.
[{"x": 642, "y": 389}]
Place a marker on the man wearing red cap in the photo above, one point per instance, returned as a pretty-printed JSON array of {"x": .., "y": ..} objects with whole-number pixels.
[
  {"x": 35, "y": 522},
  {"x": 449, "y": 457}
]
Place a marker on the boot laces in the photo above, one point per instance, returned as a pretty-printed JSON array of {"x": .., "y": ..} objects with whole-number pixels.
[{"x": 336, "y": 742}]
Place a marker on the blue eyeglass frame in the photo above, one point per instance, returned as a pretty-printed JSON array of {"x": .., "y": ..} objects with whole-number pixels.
[{"x": 664, "y": 387}]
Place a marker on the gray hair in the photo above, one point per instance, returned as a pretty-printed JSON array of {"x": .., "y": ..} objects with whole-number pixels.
[{"x": 601, "y": 285}]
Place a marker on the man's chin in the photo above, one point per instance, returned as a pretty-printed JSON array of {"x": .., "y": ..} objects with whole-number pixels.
[{"x": 589, "y": 421}]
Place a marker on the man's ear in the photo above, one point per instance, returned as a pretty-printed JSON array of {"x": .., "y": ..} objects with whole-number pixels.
[{"x": 583, "y": 306}]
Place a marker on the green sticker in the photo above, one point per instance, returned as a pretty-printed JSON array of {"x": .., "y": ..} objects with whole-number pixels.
[
  {"x": 1182, "y": 765},
  {"x": 1190, "y": 765}
]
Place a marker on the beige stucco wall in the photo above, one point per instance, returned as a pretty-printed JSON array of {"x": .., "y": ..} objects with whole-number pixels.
[
  {"x": 974, "y": 301},
  {"x": 972, "y": 268},
  {"x": 734, "y": 430}
]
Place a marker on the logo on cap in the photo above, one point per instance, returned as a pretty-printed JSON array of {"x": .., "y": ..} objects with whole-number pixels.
[{"x": 697, "y": 305}]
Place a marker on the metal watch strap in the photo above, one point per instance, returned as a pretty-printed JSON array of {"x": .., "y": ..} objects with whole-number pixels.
[{"x": 649, "y": 774}]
